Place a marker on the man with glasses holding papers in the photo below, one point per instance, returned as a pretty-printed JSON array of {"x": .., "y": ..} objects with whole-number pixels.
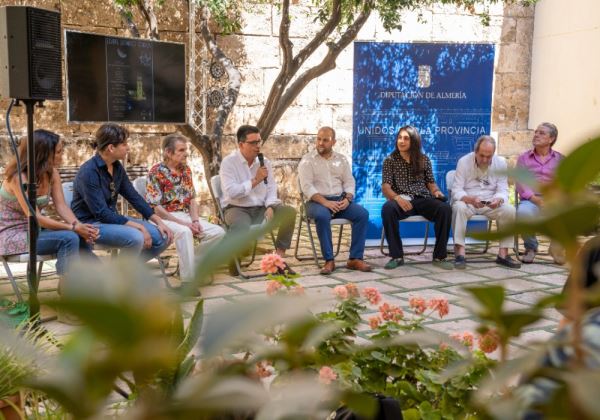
[{"x": 481, "y": 187}]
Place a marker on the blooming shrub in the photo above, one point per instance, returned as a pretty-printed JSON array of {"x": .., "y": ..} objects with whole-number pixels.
[{"x": 409, "y": 373}]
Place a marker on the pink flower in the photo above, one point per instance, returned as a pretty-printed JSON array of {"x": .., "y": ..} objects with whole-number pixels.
[
  {"x": 352, "y": 290},
  {"x": 298, "y": 291},
  {"x": 340, "y": 292},
  {"x": 272, "y": 287},
  {"x": 418, "y": 304},
  {"x": 374, "y": 322},
  {"x": 262, "y": 370},
  {"x": 327, "y": 375},
  {"x": 271, "y": 263},
  {"x": 488, "y": 341},
  {"x": 466, "y": 338},
  {"x": 443, "y": 346},
  {"x": 391, "y": 312},
  {"x": 441, "y": 305},
  {"x": 372, "y": 295}
]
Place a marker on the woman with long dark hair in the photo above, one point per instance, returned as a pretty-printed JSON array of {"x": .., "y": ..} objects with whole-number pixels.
[
  {"x": 64, "y": 237},
  {"x": 410, "y": 188}
]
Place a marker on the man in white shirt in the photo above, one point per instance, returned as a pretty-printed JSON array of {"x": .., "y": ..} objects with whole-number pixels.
[
  {"x": 250, "y": 190},
  {"x": 327, "y": 181},
  {"x": 481, "y": 187}
]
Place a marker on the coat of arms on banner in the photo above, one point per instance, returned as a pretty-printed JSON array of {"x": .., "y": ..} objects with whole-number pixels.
[{"x": 424, "y": 80}]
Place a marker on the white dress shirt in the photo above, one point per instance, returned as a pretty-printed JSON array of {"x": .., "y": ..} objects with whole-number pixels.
[
  {"x": 325, "y": 176},
  {"x": 485, "y": 185},
  {"x": 236, "y": 182}
]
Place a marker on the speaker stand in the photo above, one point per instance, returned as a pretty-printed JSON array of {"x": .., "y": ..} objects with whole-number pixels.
[{"x": 31, "y": 186}]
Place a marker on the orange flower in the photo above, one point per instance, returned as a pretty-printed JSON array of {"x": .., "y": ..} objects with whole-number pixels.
[
  {"x": 272, "y": 287},
  {"x": 271, "y": 263},
  {"x": 327, "y": 375},
  {"x": 391, "y": 312},
  {"x": 418, "y": 304},
  {"x": 340, "y": 292},
  {"x": 372, "y": 295},
  {"x": 488, "y": 341},
  {"x": 374, "y": 322},
  {"x": 352, "y": 290},
  {"x": 441, "y": 305}
]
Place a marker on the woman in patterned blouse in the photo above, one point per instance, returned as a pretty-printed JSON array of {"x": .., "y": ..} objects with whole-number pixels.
[{"x": 410, "y": 188}]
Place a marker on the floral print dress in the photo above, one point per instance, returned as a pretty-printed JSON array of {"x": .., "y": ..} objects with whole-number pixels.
[{"x": 13, "y": 223}]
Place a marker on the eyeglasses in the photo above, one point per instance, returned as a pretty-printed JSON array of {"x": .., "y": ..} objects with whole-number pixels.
[{"x": 253, "y": 143}]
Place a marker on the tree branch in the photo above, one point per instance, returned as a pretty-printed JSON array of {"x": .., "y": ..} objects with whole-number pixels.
[
  {"x": 328, "y": 63},
  {"x": 321, "y": 36},
  {"x": 147, "y": 9},
  {"x": 291, "y": 66},
  {"x": 127, "y": 20}
]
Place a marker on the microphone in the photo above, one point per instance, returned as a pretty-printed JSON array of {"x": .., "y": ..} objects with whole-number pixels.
[{"x": 261, "y": 160}]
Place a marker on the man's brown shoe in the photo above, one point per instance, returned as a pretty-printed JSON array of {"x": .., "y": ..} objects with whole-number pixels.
[
  {"x": 356, "y": 264},
  {"x": 328, "y": 268}
]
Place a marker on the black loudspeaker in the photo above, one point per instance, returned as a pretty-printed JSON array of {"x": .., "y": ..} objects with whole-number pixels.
[{"x": 30, "y": 53}]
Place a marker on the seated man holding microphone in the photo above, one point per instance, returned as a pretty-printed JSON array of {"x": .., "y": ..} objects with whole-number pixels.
[{"x": 250, "y": 191}]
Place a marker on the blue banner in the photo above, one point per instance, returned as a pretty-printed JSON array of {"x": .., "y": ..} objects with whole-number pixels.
[{"x": 444, "y": 90}]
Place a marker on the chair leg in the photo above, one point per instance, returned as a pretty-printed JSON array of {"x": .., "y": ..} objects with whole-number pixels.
[
  {"x": 39, "y": 271},
  {"x": 424, "y": 242},
  {"x": 311, "y": 239},
  {"x": 161, "y": 265},
  {"x": 487, "y": 241},
  {"x": 298, "y": 235},
  {"x": 241, "y": 272},
  {"x": 381, "y": 247},
  {"x": 339, "y": 241},
  {"x": 12, "y": 280},
  {"x": 248, "y": 264}
]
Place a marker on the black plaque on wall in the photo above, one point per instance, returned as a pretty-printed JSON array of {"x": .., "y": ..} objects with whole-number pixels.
[{"x": 124, "y": 79}]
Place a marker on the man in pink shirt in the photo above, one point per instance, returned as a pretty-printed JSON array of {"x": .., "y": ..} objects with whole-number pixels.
[{"x": 541, "y": 161}]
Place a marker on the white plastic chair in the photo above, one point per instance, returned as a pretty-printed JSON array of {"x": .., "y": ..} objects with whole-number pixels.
[{"x": 19, "y": 259}]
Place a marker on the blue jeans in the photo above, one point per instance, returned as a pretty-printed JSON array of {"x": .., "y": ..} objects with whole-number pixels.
[
  {"x": 64, "y": 243},
  {"x": 130, "y": 240},
  {"x": 528, "y": 211},
  {"x": 357, "y": 214}
]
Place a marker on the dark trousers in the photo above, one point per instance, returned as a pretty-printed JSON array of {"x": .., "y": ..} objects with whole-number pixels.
[
  {"x": 435, "y": 211},
  {"x": 242, "y": 217}
]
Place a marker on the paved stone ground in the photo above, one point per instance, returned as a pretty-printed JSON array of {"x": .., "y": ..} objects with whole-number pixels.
[{"x": 417, "y": 277}]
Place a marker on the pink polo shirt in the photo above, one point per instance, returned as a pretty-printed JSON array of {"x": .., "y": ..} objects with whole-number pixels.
[{"x": 543, "y": 171}]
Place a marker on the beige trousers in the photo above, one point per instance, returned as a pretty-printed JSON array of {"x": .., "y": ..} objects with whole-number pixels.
[
  {"x": 184, "y": 242},
  {"x": 462, "y": 212}
]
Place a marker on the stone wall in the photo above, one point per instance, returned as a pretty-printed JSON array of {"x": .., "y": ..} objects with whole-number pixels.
[{"x": 325, "y": 101}]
